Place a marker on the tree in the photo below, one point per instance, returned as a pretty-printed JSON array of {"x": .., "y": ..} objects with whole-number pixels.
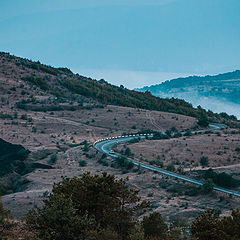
[
  {"x": 208, "y": 227},
  {"x": 137, "y": 233},
  {"x": 102, "y": 235},
  {"x": 231, "y": 225},
  {"x": 4, "y": 218},
  {"x": 58, "y": 219},
  {"x": 128, "y": 152},
  {"x": 203, "y": 121},
  {"x": 204, "y": 161},
  {"x": 207, "y": 186},
  {"x": 103, "y": 198},
  {"x": 154, "y": 226}
]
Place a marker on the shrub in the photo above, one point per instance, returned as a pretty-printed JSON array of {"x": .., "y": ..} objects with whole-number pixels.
[
  {"x": 221, "y": 179},
  {"x": 53, "y": 158},
  {"x": 207, "y": 186},
  {"x": 204, "y": 161},
  {"x": 171, "y": 168},
  {"x": 82, "y": 163}
]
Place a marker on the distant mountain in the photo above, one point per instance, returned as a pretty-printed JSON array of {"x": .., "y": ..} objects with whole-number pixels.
[{"x": 219, "y": 93}]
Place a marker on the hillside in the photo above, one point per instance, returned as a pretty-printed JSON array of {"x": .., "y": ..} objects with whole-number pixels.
[
  {"x": 57, "y": 115},
  {"x": 13, "y": 165},
  {"x": 34, "y": 86},
  {"x": 207, "y": 91},
  {"x": 11, "y": 158}
]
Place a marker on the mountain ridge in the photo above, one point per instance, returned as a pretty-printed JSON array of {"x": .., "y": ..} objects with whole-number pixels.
[
  {"x": 68, "y": 87},
  {"x": 201, "y": 90}
]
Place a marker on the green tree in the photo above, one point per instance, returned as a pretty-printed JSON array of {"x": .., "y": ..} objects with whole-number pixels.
[
  {"x": 58, "y": 220},
  {"x": 203, "y": 121},
  {"x": 204, "y": 161},
  {"x": 128, "y": 152},
  {"x": 109, "y": 201},
  {"x": 154, "y": 226},
  {"x": 207, "y": 186},
  {"x": 4, "y": 219},
  {"x": 231, "y": 225},
  {"x": 208, "y": 227},
  {"x": 102, "y": 235},
  {"x": 137, "y": 233}
]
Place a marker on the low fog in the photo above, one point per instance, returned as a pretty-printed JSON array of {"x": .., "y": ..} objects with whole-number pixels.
[{"x": 214, "y": 104}]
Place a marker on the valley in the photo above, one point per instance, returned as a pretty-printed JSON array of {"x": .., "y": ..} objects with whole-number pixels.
[{"x": 59, "y": 129}]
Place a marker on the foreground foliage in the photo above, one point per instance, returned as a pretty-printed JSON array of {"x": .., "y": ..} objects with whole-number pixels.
[
  {"x": 210, "y": 226},
  {"x": 102, "y": 207},
  {"x": 92, "y": 202}
]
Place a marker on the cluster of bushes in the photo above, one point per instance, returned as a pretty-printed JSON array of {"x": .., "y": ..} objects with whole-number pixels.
[
  {"x": 221, "y": 179},
  {"x": 40, "y": 82},
  {"x": 5, "y": 116},
  {"x": 40, "y": 67},
  {"x": 124, "y": 163}
]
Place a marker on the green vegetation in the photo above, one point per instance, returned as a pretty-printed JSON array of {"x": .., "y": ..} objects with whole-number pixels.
[
  {"x": 204, "y": 161},
  {"x": 78, "y": 206},
  {"x": 6, "y": 116},
  {"x": 221, "y": 179},
  {"x": 203, "y": 121},
  {"x": 59, "y": 81},
  {"x": 101, "y": 207},
  {"x": 124, "y": 163},
  {"x": 53, "y": 159},
  {"x": 82, "y": 163},
  {"x": 207, "y": 186},
  {"x": 154, "y": 226},
  {"x": 4, "y": 219},
  {"x": 110, "y": 94},
  {"x": 40, "y": 82},
  {"x": 210, "y": 226}
]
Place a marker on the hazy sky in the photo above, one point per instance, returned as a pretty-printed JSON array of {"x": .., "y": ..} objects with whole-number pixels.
[{"x": 137, "y": 42}]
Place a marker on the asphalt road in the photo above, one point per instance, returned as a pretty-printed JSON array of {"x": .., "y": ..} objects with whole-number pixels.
[{"x": 104, "y": 146}]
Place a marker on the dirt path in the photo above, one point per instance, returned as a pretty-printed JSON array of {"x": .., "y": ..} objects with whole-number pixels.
[{"x": 153, "y": 121}]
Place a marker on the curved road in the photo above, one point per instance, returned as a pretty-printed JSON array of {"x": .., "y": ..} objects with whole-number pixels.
[{"x": 104, "y": 146}]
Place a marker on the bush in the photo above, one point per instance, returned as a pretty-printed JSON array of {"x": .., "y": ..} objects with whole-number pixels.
[
  {"x": 207, "y": 186},
  {"x": 203, "y": 121},
  {"x": 124, "y": 163},
  {"x": 82, "y": 163},
  {"x": 171, "y": 168},
  {"x": 204, "y": 161},
  {"x": 53, "y": 158},
  {"x": 221, "y": 179}
]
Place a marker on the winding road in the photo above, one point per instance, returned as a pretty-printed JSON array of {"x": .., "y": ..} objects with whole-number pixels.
[{"x": 105, "y": 145}]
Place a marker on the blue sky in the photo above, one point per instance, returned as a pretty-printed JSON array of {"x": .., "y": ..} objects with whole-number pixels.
[{"x": 134, "y": 42}]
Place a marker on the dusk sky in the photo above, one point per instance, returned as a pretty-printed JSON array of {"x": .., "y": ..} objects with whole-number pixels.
[{"x": 129, "y": 42}]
